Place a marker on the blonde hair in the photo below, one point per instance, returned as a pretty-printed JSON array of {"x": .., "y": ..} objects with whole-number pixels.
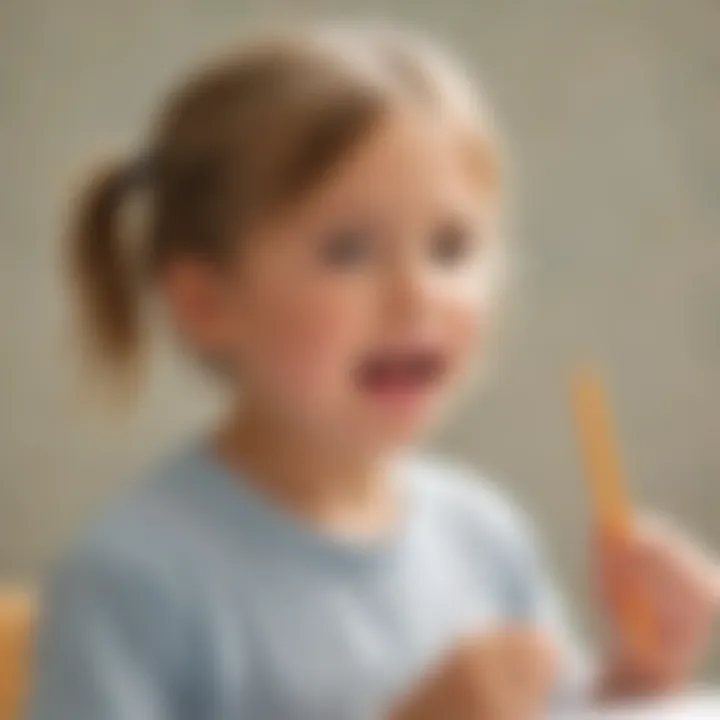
[{"x": 246, "y": 134}]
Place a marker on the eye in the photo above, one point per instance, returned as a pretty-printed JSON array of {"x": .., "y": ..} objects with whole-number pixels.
[
  {"x": 346, "y": 249},
  {"x": 453, "y": 243}
]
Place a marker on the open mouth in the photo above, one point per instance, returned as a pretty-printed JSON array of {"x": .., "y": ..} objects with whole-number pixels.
[{"x": 402, "y": 371}]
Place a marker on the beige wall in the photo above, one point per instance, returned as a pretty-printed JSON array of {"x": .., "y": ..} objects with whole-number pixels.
[{"x": 613, "y": 108}]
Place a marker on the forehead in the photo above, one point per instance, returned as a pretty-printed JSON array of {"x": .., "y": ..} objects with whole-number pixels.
[{"x": 413, "y": 158}]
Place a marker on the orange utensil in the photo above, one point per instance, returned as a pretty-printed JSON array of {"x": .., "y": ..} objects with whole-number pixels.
[{"x": 607, "y": 483}]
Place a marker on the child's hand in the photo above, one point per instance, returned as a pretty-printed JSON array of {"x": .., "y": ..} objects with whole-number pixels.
[
  {"x": 677, "y": 586},
  {"x": 505, "y": 676}
]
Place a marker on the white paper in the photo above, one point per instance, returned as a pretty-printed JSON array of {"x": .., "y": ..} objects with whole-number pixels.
[{"x": 699, "y": 706}]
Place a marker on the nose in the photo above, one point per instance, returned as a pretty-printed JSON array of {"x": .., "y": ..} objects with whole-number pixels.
[{"x": 409, "y": 296}]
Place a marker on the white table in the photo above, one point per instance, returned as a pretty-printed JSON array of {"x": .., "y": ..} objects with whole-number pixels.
[{"x": 700, "y": 705}]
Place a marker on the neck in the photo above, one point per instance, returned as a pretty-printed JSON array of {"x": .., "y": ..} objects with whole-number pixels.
[{"x": 333, "y": 488}]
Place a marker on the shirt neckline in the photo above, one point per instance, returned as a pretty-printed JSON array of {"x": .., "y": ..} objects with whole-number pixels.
[{"x": 289, "y": 533}]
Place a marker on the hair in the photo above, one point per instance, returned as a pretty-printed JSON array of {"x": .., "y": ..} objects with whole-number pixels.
[{"x": 243, "y": 136}]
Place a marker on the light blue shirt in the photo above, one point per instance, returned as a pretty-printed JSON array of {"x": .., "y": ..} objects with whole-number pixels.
[{"x": 195, "y": 599}]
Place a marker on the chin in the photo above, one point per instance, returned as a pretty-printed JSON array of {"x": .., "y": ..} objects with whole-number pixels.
[{"x": 391, "y": 434}]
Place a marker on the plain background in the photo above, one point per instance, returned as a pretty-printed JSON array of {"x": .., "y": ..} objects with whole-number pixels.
[{"x": 612, "y": 108}]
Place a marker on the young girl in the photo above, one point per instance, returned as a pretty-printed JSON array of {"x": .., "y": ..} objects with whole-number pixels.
[{"x": 322, "y": 225}]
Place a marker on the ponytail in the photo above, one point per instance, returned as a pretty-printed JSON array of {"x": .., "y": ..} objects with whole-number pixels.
[{"x": 103, "y": 272}]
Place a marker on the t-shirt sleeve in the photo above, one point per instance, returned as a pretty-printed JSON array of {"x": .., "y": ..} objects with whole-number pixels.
[{"x": 107, "y": 644}]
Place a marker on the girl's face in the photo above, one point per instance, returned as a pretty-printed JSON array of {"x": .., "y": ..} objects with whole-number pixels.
[{"x": 356, "y": 312}]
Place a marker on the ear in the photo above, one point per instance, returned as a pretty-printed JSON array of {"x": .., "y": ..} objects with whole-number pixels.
[{"x": 195, "y": 293}]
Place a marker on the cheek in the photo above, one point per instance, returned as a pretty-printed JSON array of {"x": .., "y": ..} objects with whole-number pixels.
[
  {"x": 304, "y": 338},
  {"x": 466, "y": 313}
]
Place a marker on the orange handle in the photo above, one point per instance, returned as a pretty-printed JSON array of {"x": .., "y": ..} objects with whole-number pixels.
[{"x": 607, "y": 483}]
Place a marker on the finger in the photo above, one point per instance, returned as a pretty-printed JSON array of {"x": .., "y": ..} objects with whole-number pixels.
[
  {"x": 665, "y": 541},
  {"x": 532, "y": 669},
  {"x": 681, "y": 583},
  {"x": 667, "y": 564},
  {"x": 616, "y": 580},
  {"x": 677, "y": 568},
  {"x": 616, "y": 555}
]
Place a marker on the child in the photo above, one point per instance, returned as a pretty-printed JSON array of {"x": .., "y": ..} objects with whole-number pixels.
[{"x": 322, "y": 226}]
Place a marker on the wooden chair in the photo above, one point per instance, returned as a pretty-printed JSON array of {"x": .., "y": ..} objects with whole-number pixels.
[{"x": 17, "y": 618}]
